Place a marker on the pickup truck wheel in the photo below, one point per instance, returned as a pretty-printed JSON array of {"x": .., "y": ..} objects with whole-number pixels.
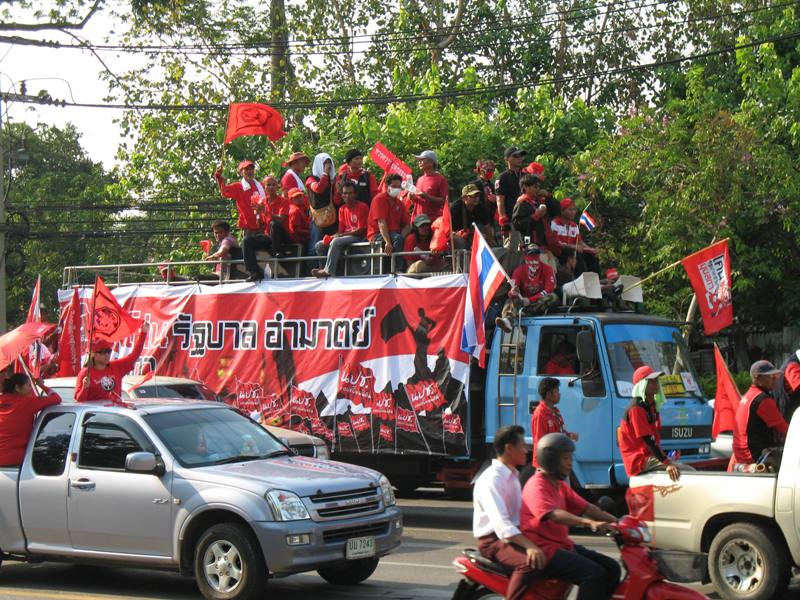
[
  {"x": 748, "y": 562},
  {"x": 352, "y": 573},
  {"x": 228, "y": 564}
]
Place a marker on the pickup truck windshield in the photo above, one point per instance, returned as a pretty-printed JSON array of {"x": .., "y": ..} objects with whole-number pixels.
[
  {"x": 630, "y": 346},
  {"x": 212, "y": 436}
]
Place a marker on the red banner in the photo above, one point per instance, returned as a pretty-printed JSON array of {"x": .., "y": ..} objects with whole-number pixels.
[
  {"x": 253, "y": 119},
  {"x": 727, "y": 398},
  {"x": 709, "y": 272},
  {"x": 387, "y": 161},
  {"x": 69, "y": 339},
  {"x": 312, "y": 354},
  {"x": 386, "y": 433},
  {"x": 452, "y": 423}
]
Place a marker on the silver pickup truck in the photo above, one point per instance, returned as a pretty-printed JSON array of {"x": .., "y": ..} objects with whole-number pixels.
[
  {"x": 196, "y": 488},
  {"x": 749, "y": 523}
]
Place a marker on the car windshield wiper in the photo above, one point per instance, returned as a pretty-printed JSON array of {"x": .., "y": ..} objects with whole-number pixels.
[
  {"x": 279, "y": 453},
  {"x": 238, "y": 458}
]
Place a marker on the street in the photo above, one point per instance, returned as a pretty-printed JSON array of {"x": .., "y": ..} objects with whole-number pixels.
[{"x": 435, "y": 532}]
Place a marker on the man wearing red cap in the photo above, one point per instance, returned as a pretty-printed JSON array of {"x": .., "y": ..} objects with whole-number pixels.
[
  {"x": 102, "y": 378},
  {"x": 534, "y": 282},
  {"x": 567, "y": 235},
  {"x": 639, "y": 433},
  {"x": 293, "y": 178},
  {"x": 246, "y": 193},
  {"x": 530, "y": 212}
]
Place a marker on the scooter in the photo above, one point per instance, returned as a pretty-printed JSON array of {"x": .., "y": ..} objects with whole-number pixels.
[{"x": 645, "y": 577}]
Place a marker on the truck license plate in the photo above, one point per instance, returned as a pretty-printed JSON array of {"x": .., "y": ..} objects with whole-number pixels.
[{"x": 360, "y": 547}]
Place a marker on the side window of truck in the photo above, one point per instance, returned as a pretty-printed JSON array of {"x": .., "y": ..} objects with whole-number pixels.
[
  {"x": 512, "y": 351},
  {"x": 108, "y": 439},
  {"x": 557, "y": 357},
  {"x": 51, "y": 447}
]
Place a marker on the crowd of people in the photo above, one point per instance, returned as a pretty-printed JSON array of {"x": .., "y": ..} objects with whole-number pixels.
[{"x": 327, "y": 209}]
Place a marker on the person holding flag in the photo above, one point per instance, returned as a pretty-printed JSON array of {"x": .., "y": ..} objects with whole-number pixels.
[
  {"x": 19, "y": 404},
  {"x": 246, "y": 193}
]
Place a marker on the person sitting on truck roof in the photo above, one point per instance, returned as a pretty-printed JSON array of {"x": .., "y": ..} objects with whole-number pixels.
[
  {"x": 228, "y": 249},
  {"x": 534, "y": 282},
  {"x": 497, "y": 498},
  {"x": 101, "y": 379},
  {"x": 353, "y": 217},
  {"x": 550, "y": 507},
  {"x": 388, "y": 220},
  {"x": 787, "y": 390},
  {"x": 18, "y": 407},
  {"x": 639, "y": 432},
  {"x": 562, "y": 361},
  {"x": 419, "y": 240},
  {"x": 759, "y": 423},
  {"x": 546, "y": 417}
]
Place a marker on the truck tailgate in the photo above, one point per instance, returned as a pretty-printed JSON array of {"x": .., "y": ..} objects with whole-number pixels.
[{"x": 681, "y": 509}]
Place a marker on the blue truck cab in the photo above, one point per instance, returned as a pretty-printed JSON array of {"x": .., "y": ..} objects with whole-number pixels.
[{"x": 609, "y": 348}]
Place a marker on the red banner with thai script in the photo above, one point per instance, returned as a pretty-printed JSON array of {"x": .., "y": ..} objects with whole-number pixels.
[
  {"x": 338, "y": 357},
  {"x": 387, "y": 161},
  {"x": 709, "y": 272}
]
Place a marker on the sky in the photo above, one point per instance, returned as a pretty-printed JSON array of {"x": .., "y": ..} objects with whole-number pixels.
[{"x": 57, "y": 71}]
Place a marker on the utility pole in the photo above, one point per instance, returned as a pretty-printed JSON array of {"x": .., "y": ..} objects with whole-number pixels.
[{"x": 2, "y": 229}]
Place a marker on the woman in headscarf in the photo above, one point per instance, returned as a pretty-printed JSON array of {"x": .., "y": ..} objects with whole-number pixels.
[{"x": 319, "y": 186}]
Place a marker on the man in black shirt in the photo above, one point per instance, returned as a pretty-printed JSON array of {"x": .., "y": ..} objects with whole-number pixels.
[
  {"x": 468, "y": 210},
  {"x": 507, "y": 185}
]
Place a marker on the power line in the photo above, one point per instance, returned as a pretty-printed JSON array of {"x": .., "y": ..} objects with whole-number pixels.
[{"x": 381, "y": 100}]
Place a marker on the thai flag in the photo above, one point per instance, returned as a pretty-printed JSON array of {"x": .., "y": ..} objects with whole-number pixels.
[
  {"x": 587, "y": 221},
  {"x": 485, "y": 276}
]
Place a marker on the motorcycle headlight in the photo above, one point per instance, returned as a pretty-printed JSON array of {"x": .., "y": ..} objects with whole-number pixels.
[
  {"x": 321, "y": 451},
  {"x": 388, "y": 492},
  {"x": 645, "y": 533},
  {"x": 286, "y": 506}
]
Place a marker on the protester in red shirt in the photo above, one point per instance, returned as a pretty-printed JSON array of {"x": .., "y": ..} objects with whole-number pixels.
[
  {"x": 639, "y": 433},
  {"x": 566, "y": 233},
  {"x": 546, "y": 418},
  {"x": 102, "y": 379},
  {"x": 431, "y": 190},
  {"x": 388, "y": 219},
  {"x": 353, "y": 171},
  {"x": 293, "y": 178},
  {"x": 353, "y": 217},
  {"x": 550, "y": 507},
  {"x": 419, "y": 241},
  {"x": 759, "y": 423},
  {"x": 787, "y": 390},
  {"x": 534, "y": 282},
  {"x": 274, "y": 206},
  {"x": 299, "y": 225},
  {"x": 562, "y": 362},
  {"x": 246, "y": 193},
  {"x": 18, "y": 407}
]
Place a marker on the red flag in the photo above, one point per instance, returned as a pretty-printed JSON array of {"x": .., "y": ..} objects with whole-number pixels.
[
  {"x": 709, "y": 272},
  {"x": 440, "y": 241},
  {"x": 424, "y": 395},
  {"x": 143, "y": 380},
  {"x": 301, "y": 403},
  {"x": 727, "y": 398},
  {"x": 38, "y": 353},
  {"x": 382, "y": 406},
  {"x": 356, "y": 383},
  {"x": 253, "y": 119},
  {"x": 344, "y": 429},
  {"x": 110, "y": 322},
  {"x": 319, "y": 428},
  {"x": 360, "y": 422},
  {"x": 406, "y": 420},
  {"x": 452, "y": 423},
  {"x": 69, "y": 342},
  {"x": 386, "y": 433},
  {"x": 206, "y": 246},
  {"x": 35, "y": 309},
  {"x": 16, "y": 341}
]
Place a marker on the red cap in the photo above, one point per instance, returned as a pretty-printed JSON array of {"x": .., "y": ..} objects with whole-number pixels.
[
  {"x": 98, "y": 345},
  {"x": 645, "y": 372},
  {"x": 294, "y": 192},
  {"x": 536, "y": 169},
  {"x": 244, "y": 164},
  {"x": 567, "y": 203},
  {"x": 612, "y": 274},
  {"x": 504, "y": 220}
]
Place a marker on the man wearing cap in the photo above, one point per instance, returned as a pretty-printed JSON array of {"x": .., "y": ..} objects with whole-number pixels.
[
  {"x": 759, "y": 423},
  {"x": 353, "y": 217},
  {"x": 468, "y": 211},
  {"x": 388, "y": 219},
  {"x": 566, "y": 234},
  {"x": 639, "y": 432},
  {"x": 353, "y": 171},
  {"x": 293, "y": 178},
  {"x": 246, "y": 193},
  {"x": 534, "y": 282},
  {"x": 419, "y": 241},
  {"x": 787, "y": 390},
  {"x": 432, "y": 190},
  {"x": 507, "y": 185}
]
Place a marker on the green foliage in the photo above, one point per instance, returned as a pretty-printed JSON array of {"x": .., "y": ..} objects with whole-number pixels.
[{"x": 708, "y": 383}]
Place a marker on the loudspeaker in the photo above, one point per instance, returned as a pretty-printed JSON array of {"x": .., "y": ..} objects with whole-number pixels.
[
  {"x": 634, "y": 294},
  {"x": 585, "y": 286}
]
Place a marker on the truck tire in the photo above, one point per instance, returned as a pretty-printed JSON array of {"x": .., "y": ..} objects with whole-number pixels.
[
  {"x": 748, "y": 562},
  {"x": 352, "y": 573},
  {"x": 228, "y": 564}
]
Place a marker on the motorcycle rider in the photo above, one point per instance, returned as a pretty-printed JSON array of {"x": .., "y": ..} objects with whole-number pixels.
[
  {"x": 496, "y": 499},
  {"x": 550, "y": 507}
]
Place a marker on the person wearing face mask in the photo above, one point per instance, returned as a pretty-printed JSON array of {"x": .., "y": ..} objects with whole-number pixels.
[
  {"x": 484, "y": 169},
  {"x": 388, "y": 220},
  {"x": 319, "y": 186},
  {"x": 534, "y": 283}
]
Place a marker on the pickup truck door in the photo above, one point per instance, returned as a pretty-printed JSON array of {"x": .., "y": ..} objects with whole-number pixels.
[
  {"x": 43, "y": 484},
  {"x": 110, "y": 509}
]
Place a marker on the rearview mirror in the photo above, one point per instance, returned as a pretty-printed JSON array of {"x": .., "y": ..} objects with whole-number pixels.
[
  {"x": 584, "y": 345},
  {"x": 144, "y": 462}
]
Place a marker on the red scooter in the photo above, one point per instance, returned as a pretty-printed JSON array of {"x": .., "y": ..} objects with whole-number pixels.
[{"x": 645, "y": 577}]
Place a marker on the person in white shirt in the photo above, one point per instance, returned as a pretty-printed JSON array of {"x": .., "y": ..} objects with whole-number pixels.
[{"x": 497, "y": 499}]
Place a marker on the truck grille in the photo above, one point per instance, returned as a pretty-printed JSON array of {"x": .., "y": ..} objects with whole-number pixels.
[
  {"x": 340, "y": 535},
  {"x": 347, "y": 503}
]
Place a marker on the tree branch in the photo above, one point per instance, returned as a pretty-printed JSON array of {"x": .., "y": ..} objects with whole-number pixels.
[
  {"x": 52, "y": 24},
  {"x": 460, "y": 10}
]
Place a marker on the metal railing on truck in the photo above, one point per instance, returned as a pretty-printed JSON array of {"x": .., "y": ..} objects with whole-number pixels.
[{"x": 358, "y": 260}]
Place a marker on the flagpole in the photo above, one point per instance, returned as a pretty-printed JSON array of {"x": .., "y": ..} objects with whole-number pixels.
[
  {"x": 34, "y": 384},
  {"x": 652, "y": 275}
]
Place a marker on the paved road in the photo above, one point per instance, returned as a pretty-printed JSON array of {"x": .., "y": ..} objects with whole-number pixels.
[{"x": 436, "y": 530}]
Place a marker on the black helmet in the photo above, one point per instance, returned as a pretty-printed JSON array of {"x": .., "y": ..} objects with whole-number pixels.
[{"x": 549, "y": 451}]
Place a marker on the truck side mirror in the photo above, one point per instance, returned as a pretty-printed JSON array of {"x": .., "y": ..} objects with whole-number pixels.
[
  {"x": 584, "y": 345},
  {"x": 144, "y": 462}
]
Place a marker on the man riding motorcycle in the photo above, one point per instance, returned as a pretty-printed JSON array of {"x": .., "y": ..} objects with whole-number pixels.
[{"x": 549, "y": 507}]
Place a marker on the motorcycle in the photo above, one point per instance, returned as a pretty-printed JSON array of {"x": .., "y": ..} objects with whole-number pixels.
[{"x": 646, "y": 571}]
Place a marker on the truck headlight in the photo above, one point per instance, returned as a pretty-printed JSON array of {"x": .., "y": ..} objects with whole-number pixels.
[
  {"x": 321, "y": 451},
  {"x": 388, "y": 492},
  {"x": 286, "y": 506}
]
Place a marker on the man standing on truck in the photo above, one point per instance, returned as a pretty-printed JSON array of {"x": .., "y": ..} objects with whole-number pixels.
[
  {"x": 550, "y": 507},
  {"x": 245, "y": 193},
  {"x": 639, "y": 432},
  {"x": 759, "y": 423},
  {"x": 497, "y": 498},
  {"x": 534, "y": 282}
]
